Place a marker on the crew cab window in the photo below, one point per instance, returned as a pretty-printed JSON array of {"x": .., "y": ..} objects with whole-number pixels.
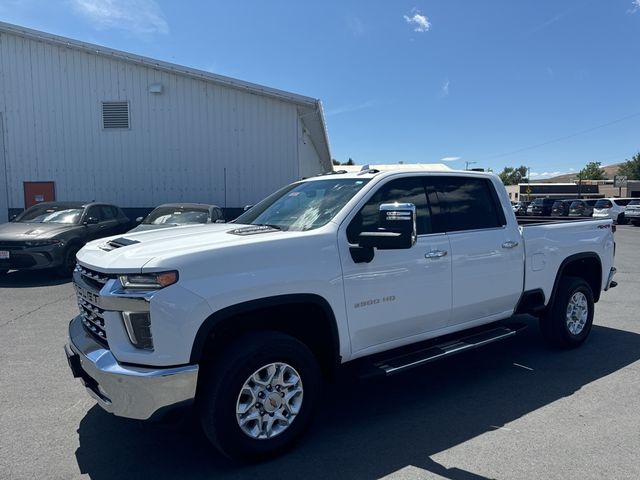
[
  {"x": 402, "y": 190},
  {"x": 463, "y": 203}
]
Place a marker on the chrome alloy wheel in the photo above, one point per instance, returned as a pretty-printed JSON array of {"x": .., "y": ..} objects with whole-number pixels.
[
  {"x": 577, "y": 313},
  {"x": 269, "y": 401}
]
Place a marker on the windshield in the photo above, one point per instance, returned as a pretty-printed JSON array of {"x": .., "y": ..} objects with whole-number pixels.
[
  {"x": 303, "y": 206},
  {"x": 176, "y": 216},
  {"x": 51, "y": 214}
]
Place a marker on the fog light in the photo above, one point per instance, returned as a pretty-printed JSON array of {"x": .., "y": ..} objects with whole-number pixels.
[{"x": 138, "y": 327}]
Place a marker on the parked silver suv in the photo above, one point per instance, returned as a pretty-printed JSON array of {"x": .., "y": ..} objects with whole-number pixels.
[{"x": 632, "y": 212}]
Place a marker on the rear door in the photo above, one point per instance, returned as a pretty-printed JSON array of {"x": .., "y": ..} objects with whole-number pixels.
[
  {"x": 487, "y": 251},
  {"x": 400, "y": 293}
]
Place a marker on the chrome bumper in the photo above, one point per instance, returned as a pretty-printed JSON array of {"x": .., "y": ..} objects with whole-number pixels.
[{"x": 126, "y": 391}]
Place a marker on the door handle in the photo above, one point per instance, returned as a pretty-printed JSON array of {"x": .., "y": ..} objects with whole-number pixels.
[
  {"x": 435, "y": 254},
  {"x": 509, "y": 244}
]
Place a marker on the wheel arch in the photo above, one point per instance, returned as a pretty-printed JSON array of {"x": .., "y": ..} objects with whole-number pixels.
[
  {"x": 317, "y": 328},
  {"x": 586, "y": 265}
]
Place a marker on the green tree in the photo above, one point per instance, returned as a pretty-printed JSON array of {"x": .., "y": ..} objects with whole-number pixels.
[
  {"x": 631, "y": 168},
  {"x": 592, "y": 171},
  {"x": 335, "y": 162},
  {"x": 513, "y": 176}
]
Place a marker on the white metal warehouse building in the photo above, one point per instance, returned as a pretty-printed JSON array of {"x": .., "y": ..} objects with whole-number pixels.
[{"x": 111, "y": 126}]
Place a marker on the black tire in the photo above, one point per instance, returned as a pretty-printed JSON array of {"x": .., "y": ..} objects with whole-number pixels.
[
  {"x": 222, "y": 381},
  {"x": 635, "y": 223},
  {"x": 622, "y": 220},
  {"x": 556, "y": 328},
  {"x": 69, "y": 262}
]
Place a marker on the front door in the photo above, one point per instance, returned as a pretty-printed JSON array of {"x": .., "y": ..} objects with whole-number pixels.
[
  {"x": 400, "y": 293},
  {"x": 38, "y": 192}
]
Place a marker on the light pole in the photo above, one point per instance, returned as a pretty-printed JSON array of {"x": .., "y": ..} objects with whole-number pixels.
[{"x": 467, "y": 163}]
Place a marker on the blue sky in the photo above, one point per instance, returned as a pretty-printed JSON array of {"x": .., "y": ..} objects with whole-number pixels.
[{"x": 545, "y": 83}]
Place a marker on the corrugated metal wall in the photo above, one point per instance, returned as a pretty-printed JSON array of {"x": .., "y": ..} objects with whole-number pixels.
[{"x": 185, "y": 144}]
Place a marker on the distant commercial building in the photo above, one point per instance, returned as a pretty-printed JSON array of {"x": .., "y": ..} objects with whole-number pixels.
[
  {"x": 84, "y": 122},
  {"x": 531, "y": 191}
]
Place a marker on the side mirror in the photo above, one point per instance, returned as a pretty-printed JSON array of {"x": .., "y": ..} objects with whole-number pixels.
[
  {"x": 90, "y": 221},
  {"x": 246, "y": 207},
  {"x": 139, "y": 219},
  {"x": 397, "y": 228}
]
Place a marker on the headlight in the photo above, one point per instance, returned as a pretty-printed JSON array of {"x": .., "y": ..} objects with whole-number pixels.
[
  {"x": 42, "y": 243},
  {"x": 149, "y": 281}
]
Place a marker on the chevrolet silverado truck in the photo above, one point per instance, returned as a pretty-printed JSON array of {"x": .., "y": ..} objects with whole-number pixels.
[{"x": 393, "y": 269}]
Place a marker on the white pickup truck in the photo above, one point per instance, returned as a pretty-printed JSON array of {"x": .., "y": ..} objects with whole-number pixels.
[{"x": 394, "y": 268}]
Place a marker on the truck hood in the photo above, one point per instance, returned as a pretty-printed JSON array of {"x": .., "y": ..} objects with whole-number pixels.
[
  {"x": 18, "y": 231},
  {"x": 130, "y": 252}
]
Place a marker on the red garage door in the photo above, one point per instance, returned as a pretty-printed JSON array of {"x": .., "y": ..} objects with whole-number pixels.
[{"x": 37, "y": 192}]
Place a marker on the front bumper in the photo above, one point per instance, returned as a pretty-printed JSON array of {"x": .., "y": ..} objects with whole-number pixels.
[
  {"x": 32, "y": 258},
  {"x": 127, "y": 391}
]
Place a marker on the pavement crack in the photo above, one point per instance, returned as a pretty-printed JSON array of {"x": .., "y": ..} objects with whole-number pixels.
[{"x": 53, "y": 302}]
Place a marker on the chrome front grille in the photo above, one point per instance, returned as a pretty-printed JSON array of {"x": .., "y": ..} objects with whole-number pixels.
[
  {"x": 93, "y": 319},
  {"x": 93, "y": 278}
]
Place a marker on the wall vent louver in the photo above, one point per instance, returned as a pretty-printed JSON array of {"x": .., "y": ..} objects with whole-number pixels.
[{"x": 115, "y": 114}]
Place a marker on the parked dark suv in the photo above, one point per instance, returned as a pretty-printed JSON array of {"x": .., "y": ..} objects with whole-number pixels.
[
  {"x": 582, "y": 208},
  {"x": 560, "y": 208},
  {"x": 541, "y": 207},
  {"x": 48, "y": 235}
]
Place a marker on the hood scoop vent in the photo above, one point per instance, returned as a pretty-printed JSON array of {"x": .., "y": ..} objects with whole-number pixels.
[
  {"x": 117, "y": 243},
  {"x": 253, "y": 230}
]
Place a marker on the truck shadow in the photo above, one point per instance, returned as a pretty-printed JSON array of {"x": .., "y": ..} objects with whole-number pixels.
[
  {"x": 30, "y": 279},
  {"x": 372, "y": 428}
]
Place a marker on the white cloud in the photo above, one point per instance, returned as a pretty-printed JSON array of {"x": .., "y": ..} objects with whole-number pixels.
[
  {"x": 140, "y": 17},
  {"x": 419, "y": 21},
  {"x": 444, "y": 90},
  {"x": 635, "y": 6},
  {"x": 356, "y": 26},
  {"x": 450, "y": 159},
  {"x": 547, "y": 174}
]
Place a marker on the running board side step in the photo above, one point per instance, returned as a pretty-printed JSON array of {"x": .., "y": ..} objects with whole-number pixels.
[{"x": 417, "y": 358}]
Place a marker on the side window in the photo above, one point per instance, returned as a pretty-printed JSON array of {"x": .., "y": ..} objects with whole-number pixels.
[
  {"x": 106, "y": 213},
  {"x": 463, "y": 203},
  {"x": 403, "y": 190},
  {"x": 94, "y": 212}
]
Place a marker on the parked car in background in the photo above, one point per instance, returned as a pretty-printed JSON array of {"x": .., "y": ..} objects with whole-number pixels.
[
  {"x": 175, "y": 214},
  {"x": 612, "y": 208},
  {"x": 48, "y": 235},
  {"x": 632, "y": 212},
  {"x": 582, "y": 208},
  {"x": 522, "y": 208},
  {"x": 541, "y": 207},
  {"x": 560, "y": 208}
]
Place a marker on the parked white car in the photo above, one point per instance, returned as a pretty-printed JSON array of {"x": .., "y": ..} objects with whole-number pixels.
[
  {"x": 612, "y": 208},
  {"x": 246, "y": 318},
  {"x": 632, "y": 212}
]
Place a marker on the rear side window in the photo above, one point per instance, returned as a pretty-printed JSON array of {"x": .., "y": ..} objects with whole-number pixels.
[
  {"x": 623, "y": 203},
  {"x": 463, "y": 203},
  {"x": 402, "y": 190},
  {"x": 603, "y": 204},
  {"x": 634, "y": 202}
]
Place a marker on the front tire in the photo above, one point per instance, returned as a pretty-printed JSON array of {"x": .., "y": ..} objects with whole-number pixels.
[
  {"x": 68, "y": 262},
  {"x": 258, "y": 396},
  {"x": 568, "y": 322}
]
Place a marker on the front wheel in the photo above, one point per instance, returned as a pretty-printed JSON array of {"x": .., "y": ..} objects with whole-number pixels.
[
  {"x": 257, "y": 398},
  {"x": 568, "y": 322},
  {"x": 69, "y": 262}
]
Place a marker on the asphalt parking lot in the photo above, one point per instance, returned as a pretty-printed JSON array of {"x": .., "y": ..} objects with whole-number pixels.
[{"x": 513, "y": 410}]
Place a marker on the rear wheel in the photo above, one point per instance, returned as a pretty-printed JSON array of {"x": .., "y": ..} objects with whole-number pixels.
[
  {"x": 258, "y": 396},
  {"x": 568, "y": 322}
]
